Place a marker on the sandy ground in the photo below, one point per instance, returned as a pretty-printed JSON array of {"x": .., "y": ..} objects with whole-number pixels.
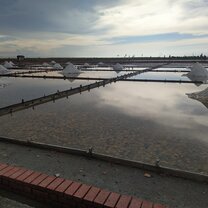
[{"x": 175, "y": 192}]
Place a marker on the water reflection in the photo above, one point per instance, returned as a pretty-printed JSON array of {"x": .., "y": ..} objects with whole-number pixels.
[
  {"x": 139, "y": 121},
  {"x": 4, "y": 70},
  {"x": 21, "y": 88},
  {"x": 131, "y": 120},
  {"x": 86, "y": 74},
  {"x": 161, "y": 76},
  {"x": 71, "y": 75},
  {"x": 160, "y": 102},
  {"x": 118, "y": 68},
  {"x": 3, "y": 83}
]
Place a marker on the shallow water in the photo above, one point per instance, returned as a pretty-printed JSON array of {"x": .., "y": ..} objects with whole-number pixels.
[
  {"x": 13, "y": 90},
  {"x": 139, "y": 121},
  {"x": 162, "y": 76},
  {"x": 87, "y": 74}
]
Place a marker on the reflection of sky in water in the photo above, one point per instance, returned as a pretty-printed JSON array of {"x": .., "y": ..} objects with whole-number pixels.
[
  {"x": 52, "y": 73},
  {"x": 177, "y": 69},
  {"x": 104, "y": 74},
  {"x": 109, "y": 74},
  {"x": 93, "y": 74},
  {"x": 18, "y": 70},
  {"x": 21, "y": 88},
  {"x": 3, "y": 83},
  {"x": 166, "y": 101},
  {"x": 141, "y": 121},
  {"x": 161, "y": 75}
]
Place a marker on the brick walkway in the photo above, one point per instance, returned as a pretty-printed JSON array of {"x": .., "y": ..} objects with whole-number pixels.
[{"x": 59, "y": 192}]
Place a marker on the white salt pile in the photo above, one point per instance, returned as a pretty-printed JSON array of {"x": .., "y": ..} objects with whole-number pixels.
[
  {"x": 57, "y": 66},
  {"x": 198, "y": 73},
  {"x": 4, "y": 70},
  {"x": 11, "y": 63},
  {"x": 118, "y": 67},
  {"x": 86, "y": 65},
  {"x": 71, "y": 69},
  {"x": 45, "y": 64},
  {"x": 198, "y": 70},
  {"x": 100, "y": 64},
  {"x": 68, "y": 62},
  {"x": 8, "y": 65},
  {"x": 53, "y": 62}
]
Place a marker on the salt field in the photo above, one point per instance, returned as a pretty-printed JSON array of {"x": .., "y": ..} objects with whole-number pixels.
[
  {"x": 104, "y": 104},
  {"x": 162, "y": 75},
  {"x": 13, "y": 90},
  {"x": 138, "y": 121}
]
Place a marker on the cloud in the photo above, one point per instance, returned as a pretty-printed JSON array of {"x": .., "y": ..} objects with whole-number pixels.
[
  {"x": 92, "y": 46},
  {"x": 4, "y": 38},
  {"x": 154, "y": 38},
  {"x": 50, "y": 45},
  {"x": 49, "y": 15},
  {"x": 103, "y": 28},
  {"x": 156, "y": 16}
]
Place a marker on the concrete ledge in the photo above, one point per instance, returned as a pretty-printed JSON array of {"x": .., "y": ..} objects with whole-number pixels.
[
  {"x": 130, "y": 163},
  {"x": 60, "y": 192}
]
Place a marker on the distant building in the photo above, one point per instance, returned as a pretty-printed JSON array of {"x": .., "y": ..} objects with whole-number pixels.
[{"x": 20, "y": 57}]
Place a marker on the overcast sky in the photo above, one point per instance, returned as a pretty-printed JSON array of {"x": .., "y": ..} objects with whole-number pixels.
[{"x": 57, "y": 28}]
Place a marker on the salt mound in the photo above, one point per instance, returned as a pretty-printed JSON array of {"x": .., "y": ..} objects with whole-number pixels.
[
  {"x": 57, "y": 66},
  {"x": 8, "y": 65},
  {"x": 100, "y": 64},
  {"x": 71, "y": 69},
  {"x": 68, "y": 62},
  {"x": 45, "y": 64},
  {"x": 118, "y": 67},
  {"x": 198, "y": 70},
  {"x": 11, "y": 63},
  {"x": 3, "y": 70},
  {"x": 198, "y": 73},
  {"x": 86, "y": 65},
  {"x": 53, "y": 62}
]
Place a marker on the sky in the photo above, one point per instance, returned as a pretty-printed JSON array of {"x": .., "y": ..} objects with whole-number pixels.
[{"x": 103, "y": 28}]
